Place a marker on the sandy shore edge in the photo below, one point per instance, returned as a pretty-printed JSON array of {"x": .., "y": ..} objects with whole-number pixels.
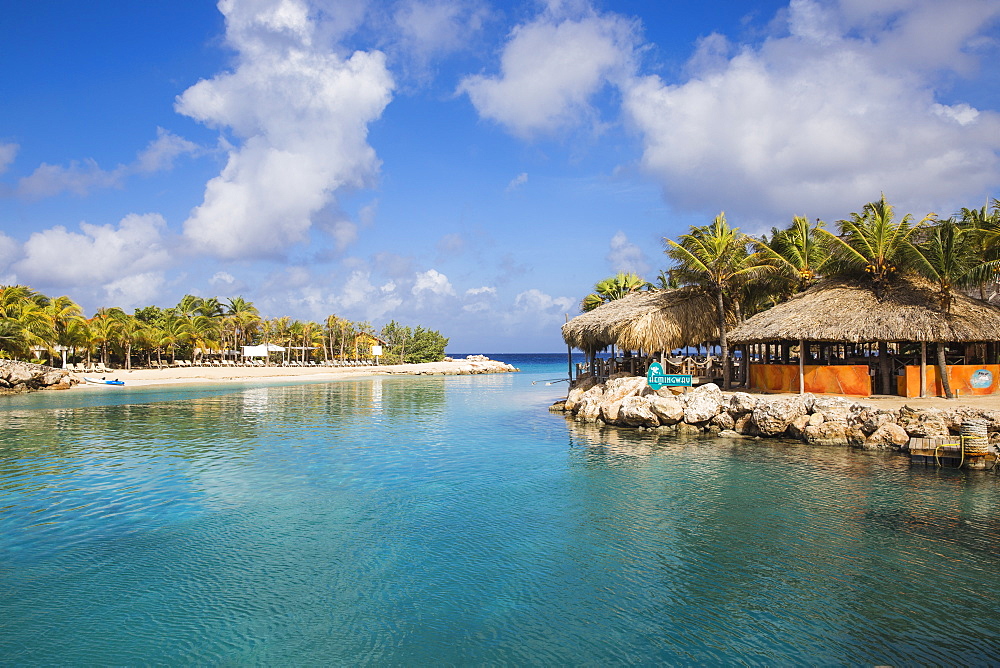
[{"x": 211, "y": 374}]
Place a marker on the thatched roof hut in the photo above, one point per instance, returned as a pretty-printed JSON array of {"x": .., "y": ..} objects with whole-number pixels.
[
  {"x": 844, "y": 311},
  {"x": 657, "y": 320}
]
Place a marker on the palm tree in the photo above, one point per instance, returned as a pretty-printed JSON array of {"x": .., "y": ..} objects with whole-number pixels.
[
  {"x": 25, "y": 321},
  {"x": 718, "y": 258},
  {"x": 242, "y": 319},
  {"x": 949, "y": 256},
  {"x": 798, "y": 253},
  {"x": 126, "y": 332},
  {"x": 873, "y": 244},
  {"x": 612, "y": 288},
  {"x": 984, "y": 223},
  {"x": 103, "y": 328}
]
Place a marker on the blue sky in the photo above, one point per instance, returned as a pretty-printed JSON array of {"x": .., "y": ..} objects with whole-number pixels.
[{"x": 466, "y": 165}]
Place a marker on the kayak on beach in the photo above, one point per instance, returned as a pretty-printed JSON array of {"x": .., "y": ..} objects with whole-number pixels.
[{"x": 102, "y": 381}]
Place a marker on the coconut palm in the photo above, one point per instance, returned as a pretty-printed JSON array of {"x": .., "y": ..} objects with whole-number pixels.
[
  {"x": 721, "y": 260},
  {"x": 103, "y": 329},
  {"x": 242, "y": 320},
  {"x": 798, "y": 253},
  {"x": 949, "y": 256},
  {"x": 24, "y": 320},
  {"x": 984, "y": 224},
  {"x": 612, "y": 288},
  {"x": 874, "y": 244}
]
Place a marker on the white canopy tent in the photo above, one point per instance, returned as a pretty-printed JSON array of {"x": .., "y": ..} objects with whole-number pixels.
[{"x": 262, "y": 350}]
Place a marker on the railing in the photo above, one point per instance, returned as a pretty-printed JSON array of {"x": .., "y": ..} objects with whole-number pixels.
[{"x": 709, "y": 368}]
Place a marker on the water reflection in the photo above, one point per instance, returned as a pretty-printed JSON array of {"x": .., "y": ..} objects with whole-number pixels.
[{"x": 453, "y": 520}]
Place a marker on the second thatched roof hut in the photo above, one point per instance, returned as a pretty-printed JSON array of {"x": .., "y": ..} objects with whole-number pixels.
[
  {"x": 844, "y": 311},
  {"x": 838, "y": 320}
]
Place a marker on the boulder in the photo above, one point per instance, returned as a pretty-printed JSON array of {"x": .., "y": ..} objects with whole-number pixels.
[
  {"x": 925, "y": 423},
  {"x": 824, "y": 403},
  {"x": 741, "y": 403},
  {"x": 723, "y": 421},
  {"x": 615, "y": 390},
  {"x": 772, "y": 418},
  {"x": 667, "y": 410},
  {"x": 702, "y": 403},
  {"x": 18, "y": 374},
  {"x": 558, "y": 407},
  {"x": 828, "y": 433},
  {"x": 870, "y": 419},
  {"x": 797, "y": 427},
  {"x": 589, "y": 408},
  {"x": 594, "y": 393},
  {"x": 745, "y": 425},
  {"x": 685, "y": 429},
  {"x": 856, "y": 437},
  {"x": 816, "y": 419},
  {"x": 888, "y": 435},
  {"x": 579, "y": 388},
  {"x": 636, "y": 412}
]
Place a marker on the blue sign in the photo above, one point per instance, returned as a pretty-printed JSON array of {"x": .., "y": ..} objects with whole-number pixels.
[
  {"x": 981, "y": 379},
  {"x": 656, "y": 378}
]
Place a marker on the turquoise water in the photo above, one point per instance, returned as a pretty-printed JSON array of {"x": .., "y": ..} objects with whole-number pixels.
[{"x": 432, "y": 520}]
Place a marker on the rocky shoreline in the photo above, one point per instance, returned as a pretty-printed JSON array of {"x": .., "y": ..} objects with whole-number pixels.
[
  {"x": 815, "y": 420},
  {"x": 16, "y": 377},
  {"x": 470, "y": 365}
]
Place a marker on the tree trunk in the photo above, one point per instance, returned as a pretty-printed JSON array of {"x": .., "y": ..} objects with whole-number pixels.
[
  {"x": 942, "y": 366},
  {"x": 884, "y": 366},
  {"x": 723, "y": 344}
]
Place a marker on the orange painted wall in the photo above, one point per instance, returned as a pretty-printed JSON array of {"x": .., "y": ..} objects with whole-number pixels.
[
  {"x": 849, "y": 379},
  {"x": 960, "y": 376}
]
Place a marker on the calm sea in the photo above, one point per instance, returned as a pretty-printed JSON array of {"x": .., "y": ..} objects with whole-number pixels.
[{"x": 454, "y": 521}]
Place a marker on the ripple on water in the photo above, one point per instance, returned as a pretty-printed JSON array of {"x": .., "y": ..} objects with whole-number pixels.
[{"x": 455, "y": 521}]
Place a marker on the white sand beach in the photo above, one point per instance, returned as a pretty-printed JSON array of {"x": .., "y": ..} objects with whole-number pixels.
[{"x": 214, "y": 374}]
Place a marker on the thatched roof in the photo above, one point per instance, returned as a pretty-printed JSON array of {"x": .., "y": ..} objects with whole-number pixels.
[
  {"x": 658, "y": 320},
  {"x": 849, "y": 312}
]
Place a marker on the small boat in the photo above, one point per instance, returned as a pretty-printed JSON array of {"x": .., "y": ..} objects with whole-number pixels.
[{"x": 101, "y": 381}]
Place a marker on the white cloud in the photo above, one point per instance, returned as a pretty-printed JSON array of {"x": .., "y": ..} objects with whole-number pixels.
[
  {"x": 161, "y": 152},
  {"x": 134, "y": 291},
  {"x": 536, "y": 301},
  {"x": 302, "y": 113},
  {"x": 344, "y": 233},
  {"x": 822, "y": 120},
  {"x": 480, "y": 299},
  {"x": 433, "y": 282},
  {"x": 438, "y": 27},
  {"x": 517, "y": 181},
  {"x": 626, "y": 256},
  {"x": 81, "y": 177},
  {"x": 551, "y": 68},
  {"x": 7, "y": 154},
  {"x": 227, "y": 284},
  {"x": 104, "y": 255},
  {"x": 359, "y": 295},
  {"x": 77, "y": 178},
  {"x": 9, "y": 250}
]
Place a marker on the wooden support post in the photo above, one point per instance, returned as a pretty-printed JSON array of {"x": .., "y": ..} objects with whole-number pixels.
[
  {"x": 569, "y": 359},
  {"x": 923, "y": 368},
  {"x": 802, "y": 366}
]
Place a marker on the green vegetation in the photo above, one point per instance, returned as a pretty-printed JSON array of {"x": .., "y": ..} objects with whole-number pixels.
[
  {"x": 747, "y": 274},
  {"x": 35, "y": 326}
]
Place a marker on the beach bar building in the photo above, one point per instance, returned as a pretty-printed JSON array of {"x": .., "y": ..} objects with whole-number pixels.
[
  {"x": 840, "y": 337},
  {"x": 650, "y": 324}
]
